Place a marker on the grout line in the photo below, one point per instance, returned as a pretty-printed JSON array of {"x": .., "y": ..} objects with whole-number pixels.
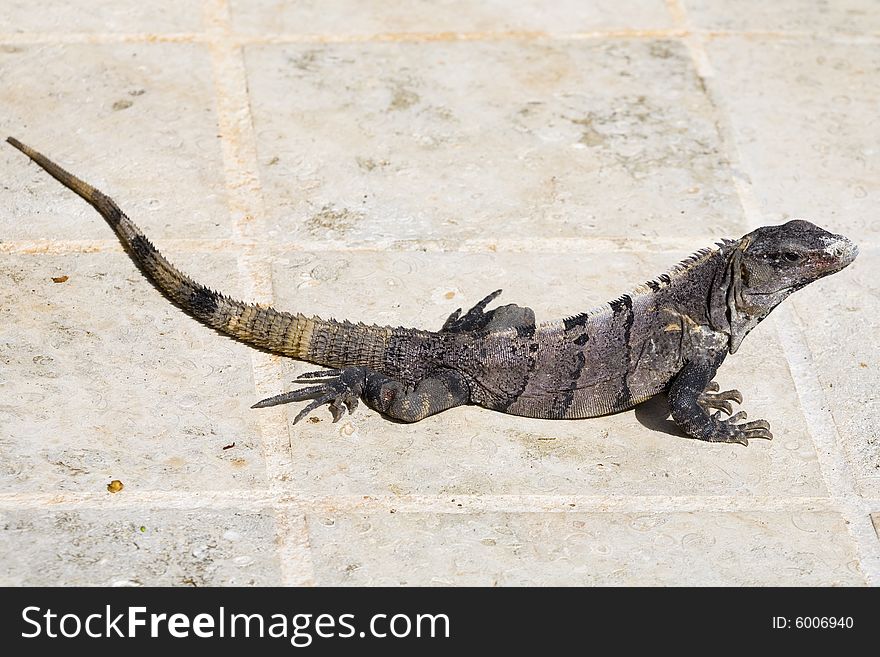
[
  {"x": 293, "y": 544},
  {"x": 813, "y": 404},
  {"x": 231, "y": 39},
  {"x": 300, "y": 504},
  {"x": 245, "y": 199}
]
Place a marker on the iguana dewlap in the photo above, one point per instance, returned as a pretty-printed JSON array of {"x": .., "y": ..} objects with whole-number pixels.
[{"x": 670, "y": 334}]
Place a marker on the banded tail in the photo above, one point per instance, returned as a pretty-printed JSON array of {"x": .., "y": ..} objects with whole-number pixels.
[{"x": 329, "y": 343}]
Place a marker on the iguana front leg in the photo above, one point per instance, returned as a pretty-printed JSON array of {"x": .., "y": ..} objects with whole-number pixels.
[
  {"x": 340, "y": 389},
  {"x": 692, "y": 393}
]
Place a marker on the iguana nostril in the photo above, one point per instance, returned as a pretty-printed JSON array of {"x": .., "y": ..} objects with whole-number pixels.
[{"x": 842, "y": 249}]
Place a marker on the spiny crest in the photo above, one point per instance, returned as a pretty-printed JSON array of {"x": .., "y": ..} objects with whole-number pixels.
[
  {"x": 654, "y": 285},
  {"x": 694, "y": 260}
]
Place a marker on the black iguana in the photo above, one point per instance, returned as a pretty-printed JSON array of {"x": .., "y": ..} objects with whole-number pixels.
[{"x": 671, "y": 334}]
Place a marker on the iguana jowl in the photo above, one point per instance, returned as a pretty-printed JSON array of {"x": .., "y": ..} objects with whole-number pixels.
[{"x": 669, "y": 334}]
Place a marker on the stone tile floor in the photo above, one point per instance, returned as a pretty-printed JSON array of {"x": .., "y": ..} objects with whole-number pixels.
[{"x": 389, "y": 162}]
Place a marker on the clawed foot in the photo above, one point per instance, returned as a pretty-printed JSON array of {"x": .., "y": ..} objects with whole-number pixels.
[
  {"x": 473, "y": 320},
  {"x": 728, "y": 431},
  {"x": 719, "y": 401},
  {"x": 338, "y": 388}
]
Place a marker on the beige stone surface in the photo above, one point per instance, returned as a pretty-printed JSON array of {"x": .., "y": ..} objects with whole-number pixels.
[
  {"x": 390, "y": 162},
  {"x": 61, "y": 17},
  {"x": 151, "y": 141},
  {"x": 843, "y": 341},
  {"x": 576, "y": 549},
  {"x": 137, "y": 547},
  {"x": 352, "y": 17},
  {"x": 809, "y": 16},
  {"x": 103, "y": 378},
  {"x": 801, "y": 113},
  {"x": 401, "y": 143}
]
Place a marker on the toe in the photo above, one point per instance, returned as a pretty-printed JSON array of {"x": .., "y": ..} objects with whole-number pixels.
[
  {"x": 760, "y": 433},
  {"x": 319, "y": 374},
  {"x": 315, "y": 404},
  {"x": 733, "y": 395}
]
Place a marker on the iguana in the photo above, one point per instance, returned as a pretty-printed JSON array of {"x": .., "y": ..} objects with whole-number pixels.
[{"x": 670, "y": 334}]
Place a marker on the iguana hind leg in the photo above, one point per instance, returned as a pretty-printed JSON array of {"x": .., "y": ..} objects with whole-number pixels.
[
  {"x": 692, "y": 394},
  {"x": 473, "y": 320},
  {"x": 477, "y": 319},
  {"x": 340, "y": 389}
]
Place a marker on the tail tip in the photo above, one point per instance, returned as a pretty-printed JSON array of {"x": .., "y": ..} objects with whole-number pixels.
[{"x": 15, "y": 143}]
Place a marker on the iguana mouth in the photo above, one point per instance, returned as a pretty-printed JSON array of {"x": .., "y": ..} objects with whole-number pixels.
[{"x": 837, "y": 256}]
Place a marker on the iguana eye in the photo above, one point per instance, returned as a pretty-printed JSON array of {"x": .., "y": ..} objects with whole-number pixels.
[{"x": 791, "y": 256}]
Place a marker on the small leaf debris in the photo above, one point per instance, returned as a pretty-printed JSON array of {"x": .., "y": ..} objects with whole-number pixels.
[
  {"x": 60, "y": 279},
  {"x": 115, "y": 486},
  {"x": 230, "y": 446}
]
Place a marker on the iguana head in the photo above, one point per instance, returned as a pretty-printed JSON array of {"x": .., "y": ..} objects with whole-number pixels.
[
  {"x": 781, "y": 259},
  {"x": 770, "y": 263}
]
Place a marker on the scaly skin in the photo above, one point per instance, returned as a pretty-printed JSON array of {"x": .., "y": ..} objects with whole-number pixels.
[{"x": 670, "y": 334}]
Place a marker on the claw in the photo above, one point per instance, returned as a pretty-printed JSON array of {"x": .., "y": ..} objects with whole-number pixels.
[
  {"x": 337, "y": 410},
  {"x": 340, "y": 389},
  {"x": 734, "y": 396},
  {"x": 711, "y": 398},
  {"x": 718, "y": 404},
  {"x": 319, "y": 374},
  {"x": 290, "y": 396},
  {"x": 315, "y": 404},
  {"x": 452, "y": 318},
  {"x": 731, "y": 432},
  {"x": 757, "y": 429},
  {"x": 472, "y": 318}
]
